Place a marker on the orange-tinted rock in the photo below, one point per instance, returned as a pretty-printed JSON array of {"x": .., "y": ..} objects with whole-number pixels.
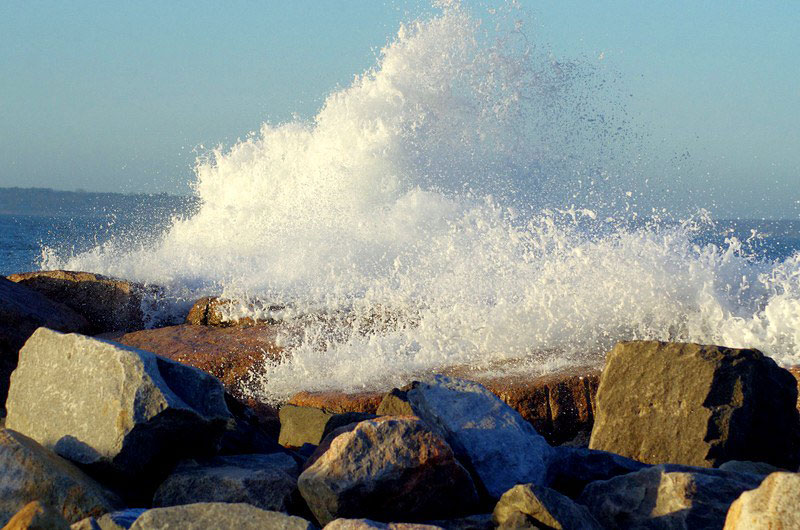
[
  {"x": 559, "y": 405},
  {"x": 339, "y": 402},
  {"x": 226, "y": 353},
  {"x": 108, "y": 304}
]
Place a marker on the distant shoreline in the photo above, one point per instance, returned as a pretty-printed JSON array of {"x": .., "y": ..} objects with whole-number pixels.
[{"x": 50, "y": 202}]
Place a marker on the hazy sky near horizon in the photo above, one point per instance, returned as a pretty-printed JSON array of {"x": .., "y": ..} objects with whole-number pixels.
[{"x": 123, "y": 96}]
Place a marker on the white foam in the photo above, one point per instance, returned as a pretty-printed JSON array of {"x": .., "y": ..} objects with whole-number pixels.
[{"x": 421, "y": 188}]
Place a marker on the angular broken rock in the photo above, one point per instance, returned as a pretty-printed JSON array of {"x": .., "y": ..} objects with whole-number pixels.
[
  {"x": 696, "y": 405},
  {"x": 120, "y": 520},
  {"x": 532, "y": 506},
  {"x": 123, "y": 413},
  {"x": 263, "y": 481},
  {"x": 23, "y": 311},
  {"x": 108, "y": 304},
  {"x": 387, "y": 469},
  {"x": 30, "y": 472},
  {"x": 666, "y": 496},
  {"x": 219, "y": 516},
  {"x": 774, "y": 504},
  {"x": 302, "y": 425},
  {"x": 502, "y": 448}
]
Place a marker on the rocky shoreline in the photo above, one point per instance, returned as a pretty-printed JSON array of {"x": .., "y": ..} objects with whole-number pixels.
[{"x": 111, "y": 425}]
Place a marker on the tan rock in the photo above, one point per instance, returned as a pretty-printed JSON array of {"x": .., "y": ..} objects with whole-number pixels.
[
  {"x": 387, "y": 469},
  {"x": 222, "y": 312},
  {"x": 773, "y": 505},
  {"x": 108, "y": 304},
  {"x": 532, "y": 506},
  {"x": 696, "y": 405},
  {"x": 32, "y": 473}
]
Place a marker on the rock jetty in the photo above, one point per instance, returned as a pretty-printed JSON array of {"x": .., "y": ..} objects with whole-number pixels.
[{"x": 101, "y": 434}]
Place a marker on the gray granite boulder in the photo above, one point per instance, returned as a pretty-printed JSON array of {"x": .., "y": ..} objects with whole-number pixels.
[
  {"x": 219, "y": 516},
  {"x": 774, "y": 504},
  {"x": 302, "y": 425},
  {"x": 696, "y": 405},
  {"x": 491, "y": 438},
  {"x": 123, "y": 414},
  {"x": 667, "y": 496},
  {"x": 263, "y": 481},
  {"x": 532, "y": 506},
  {"x": 23, "y": 311},
  {"x": 30, "y": 472},
  {"x": 387, "y": 469}
]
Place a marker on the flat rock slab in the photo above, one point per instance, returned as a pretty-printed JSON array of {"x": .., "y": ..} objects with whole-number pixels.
[
  {"x": 263, "y": 481},
  {"x": 23, "y": 311},
  {"x": 387, "y": 469},
  {"x": 229, "y": 354},
  {"x": 696, "y": 405},
  {"x": 667, "y": 496},
  {"x": 108, "y": 304},
  {"x": 219, "y": 516},
  {"x": 118, "y": 411},
  {"x": 500, "y": 447},
  {"x": 30, "y": 472},
  {"x": 774, "y": 504}
]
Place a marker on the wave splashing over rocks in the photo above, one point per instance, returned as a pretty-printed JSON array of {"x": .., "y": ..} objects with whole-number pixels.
[{"x": 421, "y": 201}]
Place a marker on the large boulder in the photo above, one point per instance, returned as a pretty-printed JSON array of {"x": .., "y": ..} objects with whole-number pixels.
[
  {"x": 124, "y": 414},
  {"x": 387, "y": 469},
  {"x": 29, "y": 472},
  {"x": 696, "y": 405},
  {"x": 263, "y": 481},
  {"x": 774, "y": 504},
  {"x": 666, "y": 496},
  {"x": 302, "y": 425},
  {"x": 23, "y": 311},
  {"x": 108, "y": 304},
  {"x": 500, "y": 447},
  {"x": 218, "y": 515},
  {"x": 532, "y": 506}
]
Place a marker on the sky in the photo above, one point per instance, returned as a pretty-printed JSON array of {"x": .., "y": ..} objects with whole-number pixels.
[{"x": 123, "y": 96}]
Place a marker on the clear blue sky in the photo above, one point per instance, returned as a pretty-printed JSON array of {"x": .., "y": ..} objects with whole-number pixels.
[{"x": 117, "y": 96}]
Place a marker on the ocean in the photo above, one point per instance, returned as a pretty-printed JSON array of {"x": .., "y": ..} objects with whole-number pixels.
[{"x": 485, "y": 196}]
